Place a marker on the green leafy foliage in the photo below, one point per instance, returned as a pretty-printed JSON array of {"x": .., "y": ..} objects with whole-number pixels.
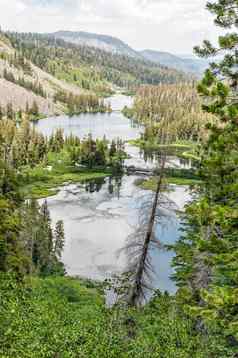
[
  {"x": 206, "y": 264},
  {"x": 66, "y": 317}
]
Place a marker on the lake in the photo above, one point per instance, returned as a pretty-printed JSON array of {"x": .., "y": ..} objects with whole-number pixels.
[{"x": 100, "y": 215}]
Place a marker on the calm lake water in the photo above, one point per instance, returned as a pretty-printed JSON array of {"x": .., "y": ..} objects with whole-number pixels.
[
  {"x": 112, "y": 125},
  {"x": 100, "y": 215}
]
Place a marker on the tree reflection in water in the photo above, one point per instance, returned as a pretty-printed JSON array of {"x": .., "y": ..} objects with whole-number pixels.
[{"x": 114, "y": 185}]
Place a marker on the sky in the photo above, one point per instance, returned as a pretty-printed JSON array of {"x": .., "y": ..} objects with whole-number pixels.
[{"x": 166, "y": 25}]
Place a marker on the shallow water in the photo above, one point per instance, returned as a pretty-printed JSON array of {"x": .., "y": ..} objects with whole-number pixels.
[
  {"x": 100, "y": 215},
  {"x": 98, "y": 218}
]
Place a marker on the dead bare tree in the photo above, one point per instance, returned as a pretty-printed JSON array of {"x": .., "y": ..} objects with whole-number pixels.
[
  {"x": 142, "y": 266},
  {"x": 153, "y": 209}
]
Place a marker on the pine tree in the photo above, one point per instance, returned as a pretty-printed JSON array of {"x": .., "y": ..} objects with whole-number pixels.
[
  {"x": 46, "y": 219},
  {"x": 19, "y": 114},
  {"x": 10, "y": 112},
  {"x": 12, "y": 255},
  {"x": 113, "y": 149},
  {"x": 27, "y": 108},
  {"x": 44, "y": 244},
  {"x": 206, "y": 256},
  {"x": 34, "y": 109},
  {"x": 59, "y": 239},
  {"x": 1, "y": 113}
]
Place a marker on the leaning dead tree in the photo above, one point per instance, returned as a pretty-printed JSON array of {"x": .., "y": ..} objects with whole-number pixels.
[
  {"x": 139, "y": 271},
  {"x": 140, "y": 267}
]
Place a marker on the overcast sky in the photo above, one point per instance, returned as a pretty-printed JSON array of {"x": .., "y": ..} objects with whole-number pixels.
[{"x": 166, "y": 25}]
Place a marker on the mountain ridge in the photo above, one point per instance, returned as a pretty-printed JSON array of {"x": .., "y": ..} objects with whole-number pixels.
[
  {"x": 187, "y": 64},
  {"x": 117, "y": 46},
  {"x": 104, "y": 42}
]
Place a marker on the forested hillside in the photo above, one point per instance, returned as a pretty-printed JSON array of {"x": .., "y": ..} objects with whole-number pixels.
[
  {"x": 102, "y": 66},
  {"x": 178, "y": 108},
  {"x": 62, "y": 77},
  {"x": 116, "y": 46},
  {"x": 24, "y": 85}
]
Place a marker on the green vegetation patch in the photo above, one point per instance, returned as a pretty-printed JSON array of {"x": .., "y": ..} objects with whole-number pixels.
[
  {"x": 43, "y": 180},
  {"x": 70, "y": 162},
  {"x": 51, "y": 317},
  {"x": 66, "y": 317},
  {"x": 41, "y": 183},
  {"x": 83, "y": 76},
  {"x": 129, "y": 92},
  {"x": 151, "y": 184},
  {"x": 172, "y": 176},
  {"x": 151, "y": 144}
]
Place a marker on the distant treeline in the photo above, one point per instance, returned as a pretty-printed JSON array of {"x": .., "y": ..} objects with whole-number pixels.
[
  {"x": 81, "y": 103},
  {"x": 176, "y": 107}
]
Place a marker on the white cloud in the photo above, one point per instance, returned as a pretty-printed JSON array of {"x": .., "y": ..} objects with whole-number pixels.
[{"x": 168, "y": 25}]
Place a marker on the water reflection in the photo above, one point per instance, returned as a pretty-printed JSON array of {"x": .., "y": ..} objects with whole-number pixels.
[
  {"x": 98, "y": 217},
  {"x": 149, "y": 159},
  {"x": 153, "y": 156},
  {"x": 113, "y": 185},
  {"x": 100, "y": 214}
]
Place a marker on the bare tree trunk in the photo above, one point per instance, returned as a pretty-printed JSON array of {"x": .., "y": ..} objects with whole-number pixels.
[{"x": 137, "y": 287}]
